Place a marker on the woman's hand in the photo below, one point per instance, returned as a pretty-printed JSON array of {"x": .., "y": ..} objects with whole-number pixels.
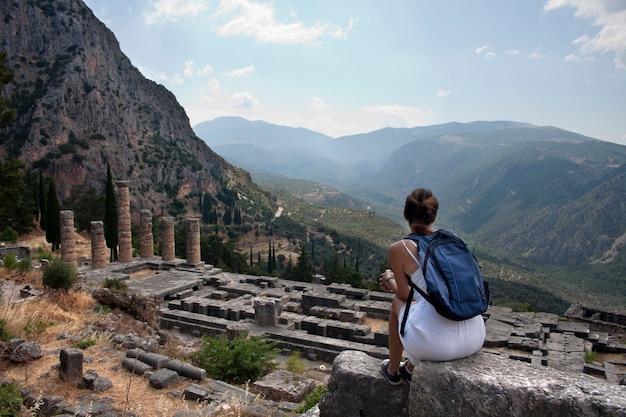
[{"x": 388, "y": 282}]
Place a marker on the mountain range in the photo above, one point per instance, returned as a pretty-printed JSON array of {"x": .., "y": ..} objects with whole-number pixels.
[{"x": 543, "y": 194}]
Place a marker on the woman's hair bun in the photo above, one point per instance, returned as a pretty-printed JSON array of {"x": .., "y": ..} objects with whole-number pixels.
[{"x": 421, "y": 207}]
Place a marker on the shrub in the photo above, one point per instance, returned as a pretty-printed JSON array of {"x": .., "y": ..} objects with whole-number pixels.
[
  {"x": 9, "y": 261},
  {"x": 45, "y": 255},
  {"x": 5, "y": 335},
  {"x": 25, "y": 265},
  {"x": 239, "y": 361},
  {"x": 115, "y": 285},
  {"x": 9, "y": 235},
  {"x": 59, "y": 275},
  {"x": 10, "y": 400},
  {"x": 590, "y": 355},
  {"x": 312, "y": 399},
  {"x": 295, "y": 363},
  {"x": 84, "y": 344}
]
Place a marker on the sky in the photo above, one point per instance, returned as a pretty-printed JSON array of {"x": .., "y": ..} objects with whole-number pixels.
[{"x": 343, "y": 67}]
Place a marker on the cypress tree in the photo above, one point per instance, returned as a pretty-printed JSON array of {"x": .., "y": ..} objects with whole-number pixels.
[
  {"x": 43, "y": 212},
  {"x": 304, "y": 269},
  {"x": 53, "y": 227},
  {"x": 273, "y": 257},
  {"x": 110, "y": 217},
  {"x": 269, "y": 257}
]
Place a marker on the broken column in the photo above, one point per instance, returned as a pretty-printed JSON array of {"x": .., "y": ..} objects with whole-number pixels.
[
  {"x": 98, "y": 245},
  {"x": 124, "y": 234},
  {"x": 146, "y": 244},
  {"x": 193, "y": 241},
  {"x": 167, "y": 239},
  {"x": 266, "y": 311},
  {"x": 68, "y": 237},
  {"x": 71, "y": 366}
]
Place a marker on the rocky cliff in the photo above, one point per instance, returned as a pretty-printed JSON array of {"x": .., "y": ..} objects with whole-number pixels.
[{"x": 81, "y": 105}]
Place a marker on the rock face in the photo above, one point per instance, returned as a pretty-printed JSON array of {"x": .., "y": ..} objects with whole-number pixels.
[
  {"x": 482, "y": 385},
  {"x": 81, "y": 105}
]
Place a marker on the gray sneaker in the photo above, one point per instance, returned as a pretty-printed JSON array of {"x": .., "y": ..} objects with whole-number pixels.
[{"x": 393, "y": 379}]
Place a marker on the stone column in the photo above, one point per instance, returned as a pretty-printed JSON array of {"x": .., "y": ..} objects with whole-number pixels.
[
  {"x": 98, "y": 245},
  {"x": 168, "y": 252},
  {"x": 124, "y": 234},
  {"x": 68, "y": 237},
  {"x": 146, "y": 243},
  {"x": 193, "y": 241}
]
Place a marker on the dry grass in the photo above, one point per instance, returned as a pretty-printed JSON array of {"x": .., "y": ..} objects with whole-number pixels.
[{"x": 43, "y": 318}]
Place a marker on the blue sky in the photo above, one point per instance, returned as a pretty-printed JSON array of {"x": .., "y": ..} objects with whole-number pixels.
[{"x": 342, "y": 67}]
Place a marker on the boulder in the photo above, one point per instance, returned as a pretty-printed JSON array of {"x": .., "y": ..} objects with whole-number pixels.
[
  {"x": 482, "y": 385},
  {"x": 163, "y": 378},
  {"x": 25, "y": 352}
]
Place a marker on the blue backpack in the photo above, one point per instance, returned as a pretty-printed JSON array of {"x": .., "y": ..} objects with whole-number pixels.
[{"x": 455, "y": 285}]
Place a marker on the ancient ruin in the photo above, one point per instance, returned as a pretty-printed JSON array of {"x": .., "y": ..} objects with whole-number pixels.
[{"x": 324, "y": 321}]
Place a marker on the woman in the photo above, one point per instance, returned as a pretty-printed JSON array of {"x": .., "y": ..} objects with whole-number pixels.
[{"x": 427, "y": 335}]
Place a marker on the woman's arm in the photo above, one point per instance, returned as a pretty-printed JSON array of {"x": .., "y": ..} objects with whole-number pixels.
[{"x": 398, "y": 257}]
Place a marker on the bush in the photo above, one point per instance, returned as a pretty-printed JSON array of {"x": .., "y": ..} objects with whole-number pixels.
[
  {"x": 25, "y": 265},
  {"x": 312, "y": 399},
  {"x": 9, "y": 235},
  {"x": 5, "y": 335},
  {"x": 9, "y": 261},
  {"x": 295, "y": 363},
  {"x": 239, "y": 361},
  {"x": 59, "y": 275},
  {"x": 115, "y": 285},
  {"x": 10, "y": 400}
]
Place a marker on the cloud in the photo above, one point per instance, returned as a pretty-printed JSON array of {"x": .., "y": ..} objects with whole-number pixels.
[
  {"x": 244, "y": 101},
  {"x": 160, "y": 76},
  {"x": 441, "y": 93},
  {"x": 609, "y": 16},
  {"x": 258, "y": 20},
  {"x": 214, "y": 85},
  {"x": 172, "y": 9},
  {"x": 318, "y": 104},
  {"x": 488, "y": 55},
  {"x": 241, "y": 72}
]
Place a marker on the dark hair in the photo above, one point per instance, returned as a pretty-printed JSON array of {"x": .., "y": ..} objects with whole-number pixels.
[{"x": 420, "y": 208}]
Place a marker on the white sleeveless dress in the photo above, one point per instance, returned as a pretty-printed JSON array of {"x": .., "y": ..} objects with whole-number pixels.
[{"x": 430, "y": 336}]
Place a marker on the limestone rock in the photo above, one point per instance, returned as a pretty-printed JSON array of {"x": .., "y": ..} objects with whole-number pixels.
[
  {"x": 282, "y": 385},
  {"x": 26, "y": 352},
  {"x": 482, "y": 385},
  {"x": 163, "y": 378}
]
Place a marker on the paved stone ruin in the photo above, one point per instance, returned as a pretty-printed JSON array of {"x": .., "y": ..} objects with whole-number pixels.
[{"x": 322, "y": 321}]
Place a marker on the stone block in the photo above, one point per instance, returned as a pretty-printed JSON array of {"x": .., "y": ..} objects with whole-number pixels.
[
  {"x": 282, "y": 385},
  {"x": 163, "y": 378},
  {"x": 71, "y": 364}
]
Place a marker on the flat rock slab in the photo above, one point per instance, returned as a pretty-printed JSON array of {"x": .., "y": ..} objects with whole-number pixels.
[
  {"x": 482, "y": 385},
  {"x": 282, "y": 385}
]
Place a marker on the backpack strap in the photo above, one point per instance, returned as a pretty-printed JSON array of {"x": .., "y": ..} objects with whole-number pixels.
[{"x": 415, "y": 239}]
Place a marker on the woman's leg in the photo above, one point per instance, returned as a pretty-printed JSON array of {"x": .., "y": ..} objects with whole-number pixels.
[{"x": 395, "y": 345}]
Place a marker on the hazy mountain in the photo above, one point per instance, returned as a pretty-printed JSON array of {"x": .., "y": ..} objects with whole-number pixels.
[
  {"x": 81, "y": 105},
  {"x": 542, "y": 193}
]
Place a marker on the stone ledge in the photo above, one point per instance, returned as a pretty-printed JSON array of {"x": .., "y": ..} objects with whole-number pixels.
[{"x": 482, "y": 385}]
